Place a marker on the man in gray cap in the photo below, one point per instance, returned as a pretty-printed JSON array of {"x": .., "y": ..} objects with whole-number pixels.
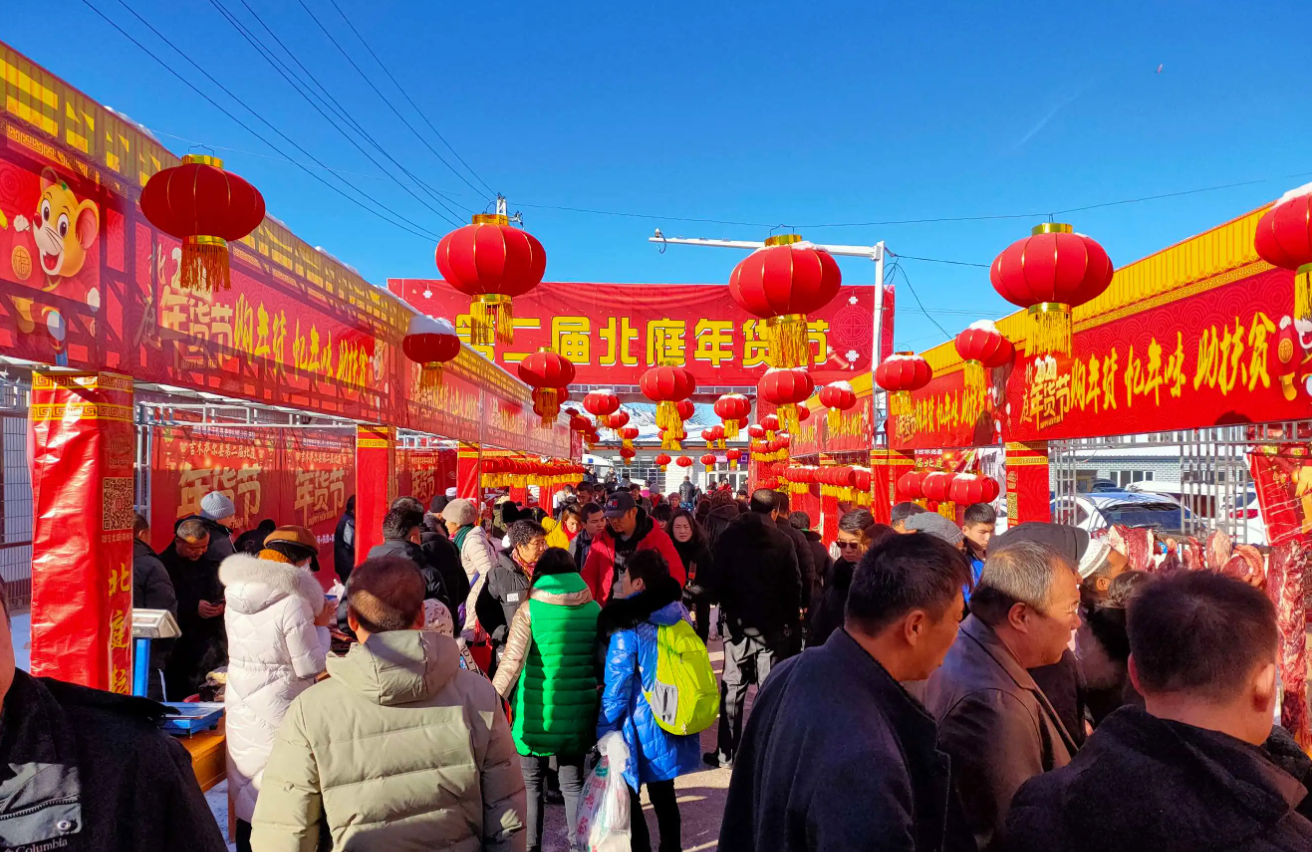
[{"x": 932, "y": 523}]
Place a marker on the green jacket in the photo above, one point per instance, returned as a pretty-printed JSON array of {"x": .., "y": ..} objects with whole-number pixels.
[
  {"x": 400, "y": 750},
  {"x": 549, "y": 664}
]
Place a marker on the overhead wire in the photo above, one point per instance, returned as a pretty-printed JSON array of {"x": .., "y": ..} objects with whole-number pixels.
[
  {"x": 381, "y": 96},
  {"x": 409, "y": 100},
  {"x": 399, "y": 221},
  {"x": 451, "y": 216},
  {"x": 895, "y": 269}
]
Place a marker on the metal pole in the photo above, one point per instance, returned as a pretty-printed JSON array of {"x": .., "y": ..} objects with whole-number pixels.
[{"x": 877, "y": 355}]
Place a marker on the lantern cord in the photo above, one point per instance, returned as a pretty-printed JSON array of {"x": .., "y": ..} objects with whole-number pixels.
[
  {"x": 415, "y": 106},
  {"x": 452, "y": 216},
  {"x": 399, "y": 220}
]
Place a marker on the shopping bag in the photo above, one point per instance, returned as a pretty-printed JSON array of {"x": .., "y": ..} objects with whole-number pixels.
[{"x": 603, "y": 820}]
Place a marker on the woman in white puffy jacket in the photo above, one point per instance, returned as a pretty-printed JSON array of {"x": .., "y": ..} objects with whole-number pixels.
[{"x": 277, "y": 617}]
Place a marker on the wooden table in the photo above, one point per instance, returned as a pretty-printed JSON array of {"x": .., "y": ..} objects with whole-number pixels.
[{"x": 209, "y": 756}]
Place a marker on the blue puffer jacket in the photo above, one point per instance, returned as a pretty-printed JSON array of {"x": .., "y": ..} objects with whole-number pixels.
[{"x": 629, "y": 627}]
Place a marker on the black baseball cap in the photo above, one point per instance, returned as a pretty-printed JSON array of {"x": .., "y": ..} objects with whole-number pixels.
[{"x": 618, "y": 504}]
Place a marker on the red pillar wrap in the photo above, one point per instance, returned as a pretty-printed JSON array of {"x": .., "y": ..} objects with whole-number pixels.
[
  {"x": 375, "y": 485},
  {"x": 469, "y": 472},
  {"x": 885, "y": 467},
  {"x": 83, "y": 445},
  {"x": 1027, "y": 483}
]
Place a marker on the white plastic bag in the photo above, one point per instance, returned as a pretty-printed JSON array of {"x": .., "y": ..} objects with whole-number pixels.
[{"x": 603, "y": 821}]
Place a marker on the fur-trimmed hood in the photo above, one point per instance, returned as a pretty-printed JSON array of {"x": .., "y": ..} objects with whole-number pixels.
[
  {"x": 628, "y": 613},
  {"x": 252, "y": 584}
]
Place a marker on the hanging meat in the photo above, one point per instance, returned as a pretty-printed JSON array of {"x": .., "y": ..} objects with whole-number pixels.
[
  {"x": 1171, "y": 562},
  {"x": 1255, "y": 573},
  {"x": 1191, "y": 554},
  {"x": 1139, "y": 544},
  {"x": 1284, "y": 585},
  {"x": 1216, "y": 552}
]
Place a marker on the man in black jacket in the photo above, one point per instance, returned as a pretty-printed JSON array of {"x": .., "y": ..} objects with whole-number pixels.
[
  {"x": 801, "y": 522},
  {"x": 91, "y": 770},
  {"x": 757, "y": 582},
  {"x": 440, "y": 551},
  {"x": 805, "y": 559},
  {"x": 837, "y": 755},
  {"x": 401, "y": 538},
  {"x": 1187, "y": 772},
  {"x": 151, "y": 589},
  {"x": 344, "y": 542},
  {"x": 193, "y": 569}
]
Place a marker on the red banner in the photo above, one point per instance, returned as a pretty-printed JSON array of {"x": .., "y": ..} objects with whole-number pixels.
[
  {"x": 613, "y": 332},
  {"x": 288, "y": 475},
  {"x": 102, "y": 290},
  {"x": 82, "y": 490},
  {"x": 854, "y": 433},
  {"x": 1028, "y": 490},
  {"x": 425, "y": 473},
  {"x": 375, "y": 484},
  {"x": 1282, "y": 475}
]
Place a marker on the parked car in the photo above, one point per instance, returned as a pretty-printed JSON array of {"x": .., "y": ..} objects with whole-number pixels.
[
  {"x": 1104, "y": 509},
  {"x": 1240, "y": 517}
]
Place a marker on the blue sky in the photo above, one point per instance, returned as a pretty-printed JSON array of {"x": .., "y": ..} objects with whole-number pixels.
[{"x": 757, "y": 113}]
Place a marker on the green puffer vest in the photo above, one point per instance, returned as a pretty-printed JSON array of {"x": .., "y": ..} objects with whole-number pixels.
[{"x": 556, "y": 699}]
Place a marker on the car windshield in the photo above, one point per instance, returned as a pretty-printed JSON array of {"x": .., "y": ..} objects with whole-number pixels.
[{"x": 1168, "y": 516}]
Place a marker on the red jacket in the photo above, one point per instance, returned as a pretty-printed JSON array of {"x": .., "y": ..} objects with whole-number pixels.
[{"x": 599, "y": 571}]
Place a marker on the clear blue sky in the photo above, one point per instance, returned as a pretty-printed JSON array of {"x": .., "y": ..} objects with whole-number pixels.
[{"x": 760, "y": 112}]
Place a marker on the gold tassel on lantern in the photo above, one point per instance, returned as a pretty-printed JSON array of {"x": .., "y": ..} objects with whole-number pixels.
[
  {"x": 1303, "y": 292},
  {"x": 789, "y": 344},
  {"x": 1051, "y": 332},
  {"x": 430, "y": 376},
  {"x": 899, "y": 403},
  {"x": 834, "y": 420},
  {"x": 975, "y": 379},
  {"x": 787, "y": 415},
  {"x": 205, "y": 264},
  {"x": 546, "y": 404},
  {"x": 491, "y": 319},
  {"x": 731, "y": 428},
  {"x": 948, "y": 509}
]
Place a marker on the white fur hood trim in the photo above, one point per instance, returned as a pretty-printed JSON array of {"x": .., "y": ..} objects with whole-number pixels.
[{"x": 253, "y": 584}]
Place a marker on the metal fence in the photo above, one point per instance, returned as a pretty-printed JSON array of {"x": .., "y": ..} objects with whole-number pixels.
[{"x": 16, "y": 505}]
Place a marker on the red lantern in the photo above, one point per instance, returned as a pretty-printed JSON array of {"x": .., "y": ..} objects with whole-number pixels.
[
  {"x": 733, "y": 409},
  {"x": 1049, "y": 273},
  {"x": 910, "y": 485},
  {"x": 548, "y": 373},
  {"x": 431, "y": 343},
  {"x": 205, "y": 207},
  {"x": 936, "y": 486},
  {"x": 663, "y": 460},
  {"x": 784, "y": 389},
  {"x": 580, "y": 424},
  {"x": 837, "y": 397},
  {"x": 769, "y": 483},
  {"x": 492, "y": 263},
  {"x": 686, "y": 409},
  {"x": 627, "y": 434},
  {"x": 1284, "y": 239},
  {"x": 709, "y": 460},
  {"x": 900, "y": 374},
  {"x": 755, "y": 431},
  {"x": 667, "y": 386},
  {"x": 601, "y": 404},
  {"x": 732, "y": 456},
  {"x": 683, "y": 461},
  {"x": 968, "y": 489},
  {"x": 782, "y": 283},
  {"x": 770, "y": 423},
  {"x": 982, "y": 347},
  {"x": 627, "y": 453},
  {"x": 862, "y": 480}
]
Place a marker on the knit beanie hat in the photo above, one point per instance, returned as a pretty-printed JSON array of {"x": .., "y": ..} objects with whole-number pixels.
[
  {"x": 215, "y": 506},
  {"x": 932, "y": 523}
]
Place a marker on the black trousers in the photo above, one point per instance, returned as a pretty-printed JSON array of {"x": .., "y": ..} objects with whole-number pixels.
[
  {"x": 747, "y": 661},
  {"x": 666, "y": 806},
  {"x": 534, "y": 769}
]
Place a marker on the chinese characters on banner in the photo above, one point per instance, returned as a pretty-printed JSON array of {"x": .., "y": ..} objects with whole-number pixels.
[
  {"x": 613, "y": 332},
  {"x": 855, "y": 432},
  {"x": 425, "y": 473}
]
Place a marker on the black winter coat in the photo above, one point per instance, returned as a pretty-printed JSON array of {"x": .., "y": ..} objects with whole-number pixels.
[
  {"x": 1143, "y": 783},
  {"x": 442, "y": 554},
  {"x": 344, "y": 546},
  {"x": 203, "y": 645},
  {"x": 89, "y": 771},
  {"x": 827, "y": 615},
  {"x": 756, "y": 580},
  {"x": 837, "y": 757},
  {"x": 820, "y": 556},
  {"x": 805, "y": 561},
  {"x": 152, "y": 589},
  {"x": 406, "y": 549},
  {"x": 506, "y": 588}
]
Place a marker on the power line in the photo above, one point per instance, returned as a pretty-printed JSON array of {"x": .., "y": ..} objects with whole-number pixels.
[
  {"x": 896, "y": 268},
  {"x": 937, "y": 260},
  {"x": 383, "y": 97},
  {"x": 403, "y": 223},
  {"x": 451, "y": 216},
  {"x": 406, "y": 95}
]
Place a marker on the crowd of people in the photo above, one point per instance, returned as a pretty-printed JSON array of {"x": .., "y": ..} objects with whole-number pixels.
[{"x": 922, "y": 685}]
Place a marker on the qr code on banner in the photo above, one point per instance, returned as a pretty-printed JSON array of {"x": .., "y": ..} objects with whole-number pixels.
[{"x": 118, "y": 511}]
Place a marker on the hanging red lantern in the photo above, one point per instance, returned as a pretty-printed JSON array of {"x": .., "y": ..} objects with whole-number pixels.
[
  {"x": 548, "y": 373},
  {"x": 1049, "y": 273},
  {"x": 662, "y": 460},
  {"x": 769, "y": 483},
  {"x": 686, "y": 409},
  {"x": 900, "y": 374},
  {"x": 732, "y": 408},
  {"x": 627, "y": 434},
  {"x": 969, "y": 489},
  {"x": 683, "y": 461},
  {"x": 982, "y": 347},
  {"x": 755, "y": 431},
  {"x": 837, "y": 397},
  {"x": 491, "y": 262},
  {"x": 709, "y": 460},
  {"x": 580, "y": 424},
  {"x": 627, "y": 453},
  {"x": 732, "y": 456},
  {"x": 431, "y": 343},
  {"x": 803, "y": 413},
  {"x": 1284, "y": 239},
  {"x": 205, "y": 207},
  {"x": 784, "y": 389},
  {"x": 601, "y": 404},
  {"x": 667, "y": 386},
  {"x": 782, "y": 283},
  {"x": 862, "y": 481},
  {"x": 770, "y": 423},
  {"x": 910, "y": 485}
]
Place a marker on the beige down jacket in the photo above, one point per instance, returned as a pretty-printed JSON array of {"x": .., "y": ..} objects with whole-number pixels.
[{"x": 399, "y": 750}]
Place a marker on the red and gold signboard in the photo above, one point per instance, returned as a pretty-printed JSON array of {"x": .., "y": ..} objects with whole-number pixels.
[
  {"x": 375, "y": 485},
  {"x": 82, "y": 490},
  {"x": 1028, "y": 494},
  {"x": 614, "y": 332},
  {"x": 855, "y": 432},
  {"x": 425, "y": 473}
]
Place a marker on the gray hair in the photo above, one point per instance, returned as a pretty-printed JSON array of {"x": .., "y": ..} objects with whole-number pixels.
[{"x": 1024, "y": 572}]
